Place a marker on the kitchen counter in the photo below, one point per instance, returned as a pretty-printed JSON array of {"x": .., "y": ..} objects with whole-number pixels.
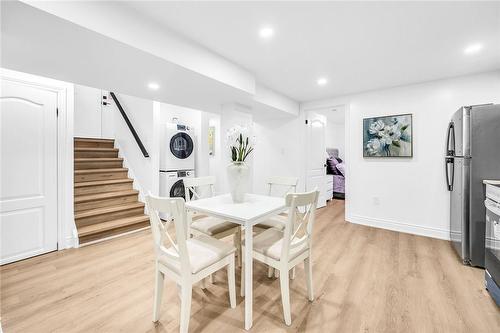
[{"x": 491, "y": 182}]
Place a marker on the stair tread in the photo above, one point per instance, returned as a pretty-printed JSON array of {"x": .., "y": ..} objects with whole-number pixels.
[
  {"x": 105, "y": 195},
  {"x": 104, "y": 182},
  {"x": 77, "y": 149},
  {"x": 104, "y": 210},
  {"x": 94, "y": 140},
  {"x": 98, "y": 159},
  {"x": 110, "y": 225},
  {"x": 85, "y": 171}
]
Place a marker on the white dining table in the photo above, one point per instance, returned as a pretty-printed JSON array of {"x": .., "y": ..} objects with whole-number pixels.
[{"x": 255, "y": 209}]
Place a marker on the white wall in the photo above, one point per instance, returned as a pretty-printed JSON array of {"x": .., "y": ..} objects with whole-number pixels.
[
  {"x": 407, "y": 194},
  {"x": 279, "y": 151},
  {"x": 140, "y": 113}
]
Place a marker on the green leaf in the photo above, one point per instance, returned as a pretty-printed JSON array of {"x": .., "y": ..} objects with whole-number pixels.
[
  {"x": 404, "y": 127},
  {"x": 396, "y": 143}
]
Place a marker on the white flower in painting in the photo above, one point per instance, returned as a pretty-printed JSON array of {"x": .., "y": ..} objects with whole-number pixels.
[
  {"x": 376, "y": 127},
  {"x": 374, "y": 146},
  {"x": 389, "y": 134}
]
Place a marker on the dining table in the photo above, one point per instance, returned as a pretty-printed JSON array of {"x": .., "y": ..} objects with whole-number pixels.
[{"x": 254, "y": 209}]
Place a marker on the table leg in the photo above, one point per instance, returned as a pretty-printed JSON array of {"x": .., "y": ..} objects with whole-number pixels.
[{"x": 248, "y": 276}]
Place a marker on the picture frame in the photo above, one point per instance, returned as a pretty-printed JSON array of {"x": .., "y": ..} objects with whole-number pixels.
[{"x": 388, "y": 136}]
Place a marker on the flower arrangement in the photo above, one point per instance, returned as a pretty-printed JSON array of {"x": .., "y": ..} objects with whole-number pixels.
[
  {"x": 239, "y": 143},
  {"x": 388, "y": 136}
]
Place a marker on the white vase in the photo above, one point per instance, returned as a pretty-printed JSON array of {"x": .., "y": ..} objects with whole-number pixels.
[{"x": 237, "y": 174}]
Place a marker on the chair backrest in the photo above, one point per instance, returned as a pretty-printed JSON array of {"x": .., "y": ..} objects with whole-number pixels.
[
  {"x": 175, "y": 212},
  {"x": 299, "y": 226},
  {"x": 199, "y": 187},
  {"x": 289, "y": 184}
]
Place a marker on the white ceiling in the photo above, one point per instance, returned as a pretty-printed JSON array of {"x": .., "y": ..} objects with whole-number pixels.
[{"x": 358, "y": 46}]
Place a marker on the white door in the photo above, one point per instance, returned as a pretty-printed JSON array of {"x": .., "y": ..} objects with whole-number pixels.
[
  {"x": 28, "y": 162},
  {"x": 316, "y": 156},
  {"x": 88, "y": 112}
]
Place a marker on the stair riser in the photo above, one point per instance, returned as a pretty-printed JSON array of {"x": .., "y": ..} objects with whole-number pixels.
[
  {"x": 97, "y": 165},
  {"x": 90, "y": 144},
  {"x": 113, "y": 232},
  {"x": 100, "y": 176},
  {"x": 105, "y": 202},
  {"x": 102, "y": 188},
  {"x": 95, "y": 154},
  {"x": 81, "y": 222}
]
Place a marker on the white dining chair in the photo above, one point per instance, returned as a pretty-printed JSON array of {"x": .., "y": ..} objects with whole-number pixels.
[
  {"x": 185, "y": 260},
  {"x": 285, "y": 249},
  {"x": 278, "y": 186},
  {"x": 197, "y": 188}
]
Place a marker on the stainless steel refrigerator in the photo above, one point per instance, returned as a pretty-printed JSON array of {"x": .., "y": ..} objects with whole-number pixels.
[{"x": 472, "y": 155}]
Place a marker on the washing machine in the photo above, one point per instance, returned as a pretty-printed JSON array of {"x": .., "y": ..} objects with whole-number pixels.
[
  {"x": 177, "y": 148},
  {"x": 171, "y": 184}
]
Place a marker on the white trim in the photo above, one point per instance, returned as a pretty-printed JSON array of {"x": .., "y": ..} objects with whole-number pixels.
[
  {"x": 66, "y": 227},
  {"x": 136, "y": 185},
  {"x": 115, "y": 236},
  {"x": 408, "y": 228}
]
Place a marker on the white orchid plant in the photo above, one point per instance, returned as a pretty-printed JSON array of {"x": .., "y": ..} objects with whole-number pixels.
[
  {"x": 240, "y": 143},
  {"x": 383, "y": 135}
]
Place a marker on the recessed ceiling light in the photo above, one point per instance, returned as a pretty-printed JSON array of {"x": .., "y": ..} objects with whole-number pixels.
[
  {"x": 473, "y": 48},
  {"x": 322, "y": 81},
  {"x": 153, "y": 86},
  {"x": 266, "y": 32}
]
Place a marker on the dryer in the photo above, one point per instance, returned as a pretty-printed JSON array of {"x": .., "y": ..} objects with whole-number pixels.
[
  {"x": 171, "y": 184},
  {"x": 177, "y": 148}
]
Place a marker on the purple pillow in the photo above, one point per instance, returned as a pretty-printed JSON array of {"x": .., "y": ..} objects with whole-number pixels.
[
  {"x": 341, "y": 168},
  {"x": 331, "y": 166}
]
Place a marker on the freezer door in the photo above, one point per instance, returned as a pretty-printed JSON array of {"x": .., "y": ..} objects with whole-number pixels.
[
  {"x": 485, "y": 164},
  {"x": 459, "y": 232},
  {"x": 458, "y": 131}
]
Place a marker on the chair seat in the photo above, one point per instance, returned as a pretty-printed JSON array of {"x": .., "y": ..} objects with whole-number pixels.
[
  {"x": 270, "y": 242},
  {"x": 211, "y": 226},
  {"x": 203, "y": 252},
  {"x": 277, "y": 222}
]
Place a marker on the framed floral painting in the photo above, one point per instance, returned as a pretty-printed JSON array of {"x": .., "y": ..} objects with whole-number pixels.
[{"x": 388, "y": 136}]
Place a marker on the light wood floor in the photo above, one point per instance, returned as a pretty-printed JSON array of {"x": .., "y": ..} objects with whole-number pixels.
[{"x": 366, "y": 280}]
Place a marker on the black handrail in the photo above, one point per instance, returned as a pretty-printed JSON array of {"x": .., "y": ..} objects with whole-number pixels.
[{"x": 130, "y": 126}]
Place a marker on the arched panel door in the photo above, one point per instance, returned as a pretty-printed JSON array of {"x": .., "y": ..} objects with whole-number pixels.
[{"x": 28, "y": 157}]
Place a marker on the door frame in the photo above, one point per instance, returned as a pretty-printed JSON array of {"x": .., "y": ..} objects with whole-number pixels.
[
  {"x": 67, "y": 236},
  {"x": 347, "y": 144}
]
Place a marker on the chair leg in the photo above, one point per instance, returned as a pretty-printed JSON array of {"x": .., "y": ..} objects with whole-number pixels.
[
  {"x": 242, "y": 280},
  {"x": 185, "y": 308},
  {"x": 231, "y": 283},
  {"x": 270, "y": 271},
  {"x": 276, "y": 273},
  {"x": 292, "y": 274},
  {"x": 211, "y": 278},
  {"x": 159, "y": 281},
  {"x": 309, "y": 280},
  {"x": 285, "y": 296}
]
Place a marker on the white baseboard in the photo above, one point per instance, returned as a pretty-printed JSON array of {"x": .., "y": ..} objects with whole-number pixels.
[{"x": 400, "y": 227}]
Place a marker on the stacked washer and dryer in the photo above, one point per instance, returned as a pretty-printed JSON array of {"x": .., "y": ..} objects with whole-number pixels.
[{"x": 177, "y": 160}]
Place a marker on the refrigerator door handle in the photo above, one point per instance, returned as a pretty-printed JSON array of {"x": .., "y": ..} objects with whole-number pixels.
[
  {"x": 450, "y": 139},
  {"x": 450, "y": 172}
]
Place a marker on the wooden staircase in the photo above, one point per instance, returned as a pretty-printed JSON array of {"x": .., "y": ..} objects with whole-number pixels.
[{"x": 105, "y": 202}]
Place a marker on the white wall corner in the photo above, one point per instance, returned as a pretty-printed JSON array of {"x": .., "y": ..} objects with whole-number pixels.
[{"x": 270, "y": 98}]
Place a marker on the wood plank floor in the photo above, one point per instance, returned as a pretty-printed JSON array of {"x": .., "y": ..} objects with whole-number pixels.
[{"x": 366, "y": 280}]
